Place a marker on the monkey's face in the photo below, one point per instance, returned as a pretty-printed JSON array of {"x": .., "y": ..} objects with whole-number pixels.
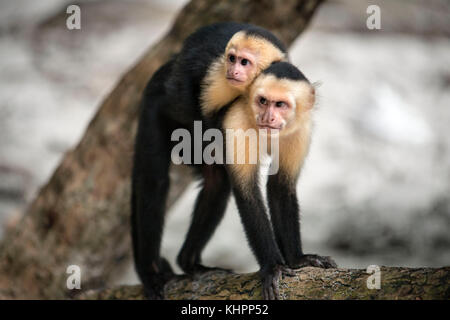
[
  {"x": 240, "y": 67},
  {"x": 246, "y": 56},
  {"x": 279, "y": 104}
]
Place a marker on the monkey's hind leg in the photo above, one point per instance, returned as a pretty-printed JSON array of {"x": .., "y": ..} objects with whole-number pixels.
[
  {"x": 208, "y": 212},
  {"x": 147, "y": 224},
  {"x": 150, "y": 184}
]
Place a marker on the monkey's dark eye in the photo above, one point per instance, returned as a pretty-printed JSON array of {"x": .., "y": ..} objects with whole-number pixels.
[
  {"x": 280, "y": 104},
  {"x": 262, "y": 100},
  {"x": 244, "y": 62},
  {"x": 232, "y": 58}
]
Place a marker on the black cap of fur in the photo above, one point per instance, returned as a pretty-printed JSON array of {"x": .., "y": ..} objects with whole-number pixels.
[
  {"x": 285, "y": 70},
  {"x": 252, "y": 30}
]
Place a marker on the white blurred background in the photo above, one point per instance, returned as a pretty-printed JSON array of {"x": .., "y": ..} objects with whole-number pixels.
[{"x": 376, "y": 185}]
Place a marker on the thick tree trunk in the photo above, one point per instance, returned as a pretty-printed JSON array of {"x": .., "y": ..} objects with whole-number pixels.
[
  {"x": 306, "y": 283},
  {"x": 81, "y": 215}
]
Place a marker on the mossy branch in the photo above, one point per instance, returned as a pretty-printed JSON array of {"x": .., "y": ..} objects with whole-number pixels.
[{"x": 306, "y": 283}]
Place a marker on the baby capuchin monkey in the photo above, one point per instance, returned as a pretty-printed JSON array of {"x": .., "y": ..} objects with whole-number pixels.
[
  {"x": 216, "y": 64},
  {"x": 280, "y": 102},
  {"x": 247, "y": 53}
]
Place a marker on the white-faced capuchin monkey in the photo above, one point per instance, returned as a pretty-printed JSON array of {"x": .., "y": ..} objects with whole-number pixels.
[
  {"x": 216, "y": 64},
  {"x": 280, "y": 101}
]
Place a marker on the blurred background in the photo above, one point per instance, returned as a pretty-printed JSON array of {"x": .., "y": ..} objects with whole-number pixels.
[{"x": 376, "y": 185}]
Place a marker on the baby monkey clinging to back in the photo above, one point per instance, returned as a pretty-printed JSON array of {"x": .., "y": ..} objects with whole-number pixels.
[{"x": 215, "y": 65}]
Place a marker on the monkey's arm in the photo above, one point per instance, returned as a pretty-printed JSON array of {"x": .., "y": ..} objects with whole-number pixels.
[
  {"x": 284, "y": 206},
  {"x": 259, "y": 233},
  {"x": 284, "y": 212}
]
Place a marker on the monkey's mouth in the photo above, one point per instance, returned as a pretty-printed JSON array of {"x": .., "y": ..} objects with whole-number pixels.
[
  {"x": 235, "y": 81},
  {"x": 269, "y": 128}
]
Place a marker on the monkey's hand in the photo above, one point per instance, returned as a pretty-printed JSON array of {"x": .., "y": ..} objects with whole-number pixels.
[
  {"x": 314, "y": 260},
  {"x": 154, "y": 282},
  {"x": 270, "y": 281},
  {"x": 271, "y": 278}
]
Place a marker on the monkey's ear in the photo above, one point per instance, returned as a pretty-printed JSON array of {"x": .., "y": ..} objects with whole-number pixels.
[{"x": 311, "y": 99}]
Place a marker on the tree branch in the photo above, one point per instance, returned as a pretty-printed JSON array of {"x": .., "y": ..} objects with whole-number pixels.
[{"x": 307, "y": 283}]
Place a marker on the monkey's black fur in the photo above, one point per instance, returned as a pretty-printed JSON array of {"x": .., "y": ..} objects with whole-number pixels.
[
  {"x": 285, "y": 70},
  {"x": 171, "y": 101}
]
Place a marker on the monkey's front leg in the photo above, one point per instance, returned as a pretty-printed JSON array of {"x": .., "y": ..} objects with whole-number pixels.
[
  {"x": 284, "y": 211},
  {"x": 261, "y": 239},
  {"x": 314, "y": 260}
]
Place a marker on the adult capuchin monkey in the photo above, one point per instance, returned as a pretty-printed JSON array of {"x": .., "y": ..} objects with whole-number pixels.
[
  {"x": 216, "y": 65},
  {"x": 280, "y": 101}
]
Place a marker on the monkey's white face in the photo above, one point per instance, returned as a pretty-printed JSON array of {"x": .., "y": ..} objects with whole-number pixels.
[
  {"x": 241, "y": 67},
  {"x": 272, "y": 113},
  {"x": 277, "y": 104},
  {"x": 273, "y": 105}
]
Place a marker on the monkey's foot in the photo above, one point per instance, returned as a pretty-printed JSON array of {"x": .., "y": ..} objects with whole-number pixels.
[
  {"x": 198, "y": 268},
  {"x": 314, "y": 260},
  {"x": 154, "y": 287},
  {"x": 153, "y": 283}
]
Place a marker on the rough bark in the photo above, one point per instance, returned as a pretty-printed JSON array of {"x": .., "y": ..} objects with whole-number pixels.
[
  {"x": 306, "y": 283},
  {"x": 81, "y": 215}
]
